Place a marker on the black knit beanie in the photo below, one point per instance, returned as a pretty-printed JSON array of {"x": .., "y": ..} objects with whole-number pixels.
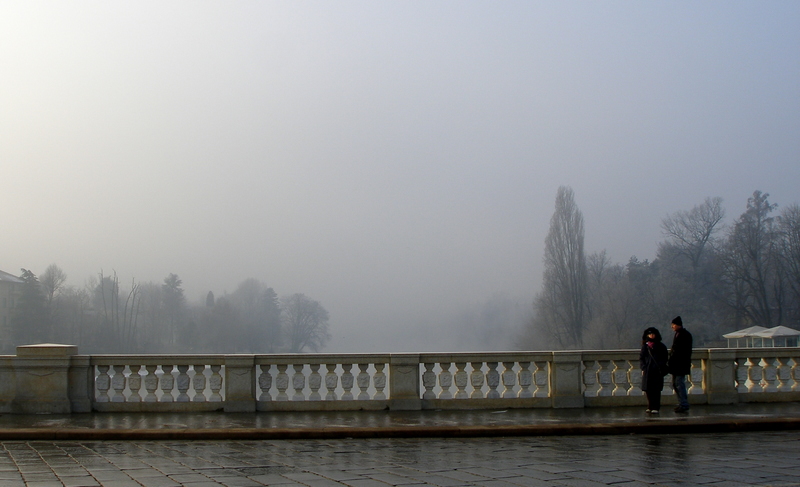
[{"x": 677, "y": 321}]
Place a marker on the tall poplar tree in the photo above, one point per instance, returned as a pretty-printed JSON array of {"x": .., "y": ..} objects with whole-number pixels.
[{"x": 562, "y": 302}]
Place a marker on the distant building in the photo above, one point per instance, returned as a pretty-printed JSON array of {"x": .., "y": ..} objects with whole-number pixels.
[{"x": 10, "y": 287}]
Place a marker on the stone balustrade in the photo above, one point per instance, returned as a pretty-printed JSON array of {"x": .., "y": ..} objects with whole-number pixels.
[{"x": 51, "y": 378}]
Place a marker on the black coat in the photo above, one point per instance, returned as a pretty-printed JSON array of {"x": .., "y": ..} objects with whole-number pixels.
[
  {"x": 653, "y": 361},
  {"x": 680, "y": 355}
]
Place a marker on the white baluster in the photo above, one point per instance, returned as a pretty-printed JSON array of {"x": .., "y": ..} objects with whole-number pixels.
[
  {"x": 151, "y": 383},
  {"x": 331, "y": 382},
  {"x": 770, "y": 375},
  {"x": 282, "y": 383},
  {"x": 445, "y": 381},
  {"x": 461, "y": 378},
  {"x": 135, "y": 383},
  {"x": 541, "y": 377},
  {"x": 476, "y": 379},
  {"x": 102, "y": 383},
  {"x": 509, "y": 380},
  {"x": 380, "y": 382},
  {"x": 118, "y": 383},
  {"x": 525, "y": 378},
  {"x": 215, "y": 383},
  {"x": 167, "y": 383},
  {"x": 620, "y": 376},
  {"x": 742, "y": 374},
  {"x": 298, "y": 383},
  {"x": 183, "y": 383},
  {"x": 347, "y": 382},
  {"x": 492, "y": 380},
  {"x": 755, "y": 374},
  {"x": 363, "y": 382},
  {"x": 264, "y": 383},
  {"x": 784, "y": 374},
  {"x": 604, "y": 378},
  {"x": 590, "y": 381},
  {"x": 314, "y": 383},
  {"x": 199, "y": 383},
  {"x": 429, "y": 381}
]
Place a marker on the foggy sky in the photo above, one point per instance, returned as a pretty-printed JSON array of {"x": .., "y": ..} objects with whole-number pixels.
[{"x": 396, "y": 161}]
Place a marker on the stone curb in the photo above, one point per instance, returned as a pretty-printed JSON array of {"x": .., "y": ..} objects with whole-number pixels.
[{"x": 680, "y": 426}]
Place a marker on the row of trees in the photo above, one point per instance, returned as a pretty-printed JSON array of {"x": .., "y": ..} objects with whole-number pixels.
[
  {"x": 106, "y": 317},
  {"x": 718, "y": 277}
]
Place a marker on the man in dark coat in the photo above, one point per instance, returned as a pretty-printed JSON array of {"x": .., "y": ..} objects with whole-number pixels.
[{"x": 680, "y": 363}]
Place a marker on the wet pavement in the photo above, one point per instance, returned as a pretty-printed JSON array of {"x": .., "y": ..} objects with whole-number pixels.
[
  {"x": 398, "y": 424},
  {"x": 742, "y": 445}
]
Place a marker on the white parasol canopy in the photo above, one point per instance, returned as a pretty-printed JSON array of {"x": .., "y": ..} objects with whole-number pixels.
[
  {"x": 778, "y": 331},
  {"x": 747, "y": 332}
]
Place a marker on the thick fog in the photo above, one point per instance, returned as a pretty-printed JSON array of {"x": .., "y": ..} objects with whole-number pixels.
[{"x": 395, "y": 161}]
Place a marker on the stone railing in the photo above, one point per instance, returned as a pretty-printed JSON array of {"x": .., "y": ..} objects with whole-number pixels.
[{"x": 52, "y": 378}]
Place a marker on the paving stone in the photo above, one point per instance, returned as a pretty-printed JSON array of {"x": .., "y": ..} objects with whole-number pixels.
[
  {"x": 674, "y": 460},
  {"x": 206, "y": 483},
  {"x": 365, "y": 483},
  {"x": 188, "y": 478},
  {"x": 157, "y": 482},
  {"x": 120, "y": 483},
  {"x": 84, "y": 481},
  {"x": 273, "y": 479}
]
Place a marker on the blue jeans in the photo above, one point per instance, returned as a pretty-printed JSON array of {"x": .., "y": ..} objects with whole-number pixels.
[{"x": 679, "y": 384}]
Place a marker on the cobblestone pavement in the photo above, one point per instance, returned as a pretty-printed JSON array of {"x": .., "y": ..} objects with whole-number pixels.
[{"x": 723, "y": 459}]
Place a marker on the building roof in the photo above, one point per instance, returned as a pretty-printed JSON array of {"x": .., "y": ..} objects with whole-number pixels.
[{"x": 6, "y": 277}]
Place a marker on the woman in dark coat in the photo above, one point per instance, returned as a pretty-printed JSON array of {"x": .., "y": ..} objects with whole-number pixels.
[{"x": 653, "y": 362}]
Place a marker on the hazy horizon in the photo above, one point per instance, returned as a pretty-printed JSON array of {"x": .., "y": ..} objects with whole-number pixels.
[{"x": 397, "y": 162}]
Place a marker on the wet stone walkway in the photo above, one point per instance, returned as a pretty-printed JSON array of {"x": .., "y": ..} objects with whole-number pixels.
[{"x": 724, "y": 459}]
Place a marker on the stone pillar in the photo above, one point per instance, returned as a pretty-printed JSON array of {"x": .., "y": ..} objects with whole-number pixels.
[
  {"x": 566, "y": 380},
  {"x": 81, "y": 384},
  {"x": 720, "y": 376},
  {"x": 42, "y": 374},
  {"x": 404, "y": 388},
  {"x": 240, "y": 384}
]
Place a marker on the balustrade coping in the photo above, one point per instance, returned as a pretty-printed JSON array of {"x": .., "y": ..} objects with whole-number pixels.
[
  {"x": 784, "y": 351},
  {"x": 157, "y": 359},
  {"x": 461, "y": 357},
  {"x": 323, "y": 358}
]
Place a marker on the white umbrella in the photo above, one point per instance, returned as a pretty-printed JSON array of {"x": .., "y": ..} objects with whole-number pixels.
[
  {"x": 778, "y": 332},
  {"x": 747, "y": 332}
]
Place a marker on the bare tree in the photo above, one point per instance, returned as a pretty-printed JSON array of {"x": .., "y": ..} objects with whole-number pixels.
[
  {"x": 789, "y": 227},
  {"x": 691, "y": 231},
  {"x": 751, "y": 265},
  {"x": 561, "y": 306},
  {"x": 52, "y": 279},
  {"x": 305, "y": 323},
  {"x": 119, "y": 322}
]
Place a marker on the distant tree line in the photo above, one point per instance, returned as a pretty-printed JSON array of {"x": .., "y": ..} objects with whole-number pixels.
[
  {"x": 107, "y": 316},
  {"x": 718, "y": 277}
]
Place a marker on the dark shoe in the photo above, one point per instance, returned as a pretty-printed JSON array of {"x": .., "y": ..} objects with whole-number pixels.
[{"x": 681, "y": 409}]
